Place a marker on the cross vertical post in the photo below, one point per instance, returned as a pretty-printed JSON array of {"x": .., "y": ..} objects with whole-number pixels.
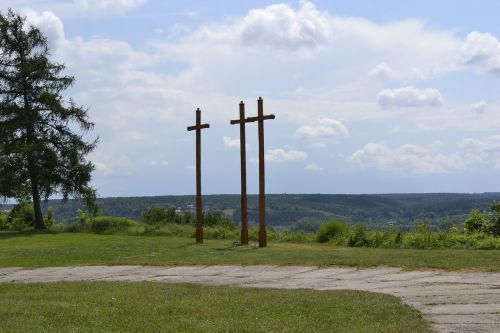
[
  {"x": 199, "y": 209},
  {"x": 262, "y": 177},
  {"x": 244, "y": 210}
]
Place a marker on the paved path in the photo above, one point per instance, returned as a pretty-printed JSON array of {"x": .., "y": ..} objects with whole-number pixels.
[{"x": 452, "y": 301}]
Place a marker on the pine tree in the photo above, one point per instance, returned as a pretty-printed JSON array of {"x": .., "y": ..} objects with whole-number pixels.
[{"x": 42, "y": 150}]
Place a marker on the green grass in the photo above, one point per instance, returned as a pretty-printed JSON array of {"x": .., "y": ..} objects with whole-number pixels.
[
  {"x": 33, "y": 249},
  {"x": 161, "y": 307}
]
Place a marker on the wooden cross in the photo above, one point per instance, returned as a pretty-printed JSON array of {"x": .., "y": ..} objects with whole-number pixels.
[
  {"x": 243, "y": 153},
  {"x": 199, "y": 215},
  {"x": 262, "y": 178}
]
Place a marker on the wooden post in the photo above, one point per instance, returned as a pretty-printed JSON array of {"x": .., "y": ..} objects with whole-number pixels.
[
  {"x": 243, "y": 158},
  {"x": 262, "y": 176},
  {"x": 199, "y": 208}
]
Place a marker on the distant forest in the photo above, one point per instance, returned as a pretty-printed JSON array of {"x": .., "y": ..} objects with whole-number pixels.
[{"x": 306, "y": 211}]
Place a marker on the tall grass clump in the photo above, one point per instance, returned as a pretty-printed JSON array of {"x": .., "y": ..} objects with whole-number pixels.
[{"x": 110, "y": 224}]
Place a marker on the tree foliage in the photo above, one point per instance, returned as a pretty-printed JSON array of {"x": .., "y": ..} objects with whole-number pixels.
[
  {"x": 476, "y": 222},
  {"x": 495, "y": 218},
  {"x": 42, "y": 149}
]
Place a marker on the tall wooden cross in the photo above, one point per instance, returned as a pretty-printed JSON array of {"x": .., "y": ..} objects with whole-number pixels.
[
  {"x": 243, "y": 153},
  {"x": 262, "y": 177},
  {"x": 199, "y": 214}
]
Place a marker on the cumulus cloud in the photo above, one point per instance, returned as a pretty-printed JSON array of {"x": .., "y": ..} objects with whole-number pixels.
[
  {"x": 131, "y": 89},
  {"x": 281, "y": 155},
  {"x": 489, "y": 144},
  {"x": 409, "y": 158},
  {"x": 481, "y": 51},
  {"x": 313, "y": 167},
  {"x": 409, "y": 97},
  {"x": 50, "y": 24},
  {"x": 275, "y": 25},
  {"x": 382, "y": 71},
  {"x": 482, "y": 150},
  {"x": 231, "y": 143},
  {"x": 326, "y": 130}
]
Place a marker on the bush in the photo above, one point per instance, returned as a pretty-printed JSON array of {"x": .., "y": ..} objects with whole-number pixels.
[
  {"x": 495, "y": 218},
  {"x": 50, "y": 220},
  {"x": 3, "y": 221},
  {"x": 158, "y": 215},
  {"x": 82, "y": 217},
  {"x": 104, "y": 224},
  {"x": 21, "y": 216},
  {"x": 185, "y": 218},
  {"x": 216, "y": 218},
  {"x": 331, "y": 230},
  {"x": 476, "y": 222}
]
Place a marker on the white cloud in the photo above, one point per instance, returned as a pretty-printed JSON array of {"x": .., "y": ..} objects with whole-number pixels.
[
  {"x": 479, "y": 107},
  {"x": 409, "y": 97},
  {"x": 490, "y": 144},
  {"x": 409, "y": 158},
  {"x": 50, "y": 24},
  {"x": 275, "y": 25},
  {"x": 326, "y": 130},
  {"x": 127, "y": 89},
  {"x": 281, "y": 155},
  {"x": 313, "y": 167},
  {"x": 106, "y": 7},
  {"x": 382, "y": 71},
  {"x": 231, "y": 143},
  {"x": 481, "y": 51}
]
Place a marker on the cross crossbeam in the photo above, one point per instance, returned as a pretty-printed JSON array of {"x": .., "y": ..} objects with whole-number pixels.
[{"x": 199, "y": 210}]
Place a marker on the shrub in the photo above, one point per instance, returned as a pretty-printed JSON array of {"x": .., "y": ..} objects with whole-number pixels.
[
  {"x": 158, "y": 214},
  {"x": 50, "y": 220},
  {"x": 331, "y": 230},
  {"x": 3, "y": 221},
  {"x": 82, "y": 217},
  {"x": 495, "y": 218},
  {"x": 185, "y": 218},
  {"x": 216, "y": 218},
  {"x": 21, "y": 216},
  {"x": 476, "y": 222},
  {"x": 104, "y": 224}
]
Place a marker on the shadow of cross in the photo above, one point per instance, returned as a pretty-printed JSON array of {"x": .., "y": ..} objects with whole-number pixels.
[
  {"x": 262, "y": 178},
  {"x": 199, "y": 215}
]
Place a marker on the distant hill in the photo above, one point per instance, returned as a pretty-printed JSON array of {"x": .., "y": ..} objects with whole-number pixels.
[{"x": 306, "y": 211}]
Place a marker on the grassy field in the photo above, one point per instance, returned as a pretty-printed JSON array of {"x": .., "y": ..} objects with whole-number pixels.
[
  {"x": 32, "y": 249},
  {"x": 159, "y": 307}
]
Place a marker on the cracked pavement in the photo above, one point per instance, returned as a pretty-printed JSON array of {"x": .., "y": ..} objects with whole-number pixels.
[{"x": 451, "y": 301}]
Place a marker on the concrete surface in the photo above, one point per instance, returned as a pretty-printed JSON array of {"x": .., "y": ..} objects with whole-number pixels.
[{"x": 452, "y": 301}]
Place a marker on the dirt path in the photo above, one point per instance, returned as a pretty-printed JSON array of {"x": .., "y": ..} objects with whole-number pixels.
[{"x": 452, "y": 301}]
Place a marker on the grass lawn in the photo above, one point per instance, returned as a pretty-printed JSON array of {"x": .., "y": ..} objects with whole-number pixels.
[
  {"x": 162, "y": 307},
  {"x": 34, "y": 249}
]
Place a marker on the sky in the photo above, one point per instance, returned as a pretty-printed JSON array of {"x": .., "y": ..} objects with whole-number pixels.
[{"x": 369, "y": 97}]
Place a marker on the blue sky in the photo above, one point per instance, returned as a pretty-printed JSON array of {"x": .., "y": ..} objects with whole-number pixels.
[{"x": 369, "y": 97}]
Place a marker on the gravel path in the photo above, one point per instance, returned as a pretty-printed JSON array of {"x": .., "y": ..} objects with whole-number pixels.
[{"x": 452, "y": 301}]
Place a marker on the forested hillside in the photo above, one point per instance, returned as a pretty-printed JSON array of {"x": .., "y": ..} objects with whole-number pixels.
[{"x": 306, "y": 211}]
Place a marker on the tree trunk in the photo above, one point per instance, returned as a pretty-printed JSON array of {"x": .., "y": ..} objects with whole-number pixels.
[{"x": 39, "y": 224}]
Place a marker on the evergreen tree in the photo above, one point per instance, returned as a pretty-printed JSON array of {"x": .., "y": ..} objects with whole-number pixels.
[{"x": 42, "y": 150}]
